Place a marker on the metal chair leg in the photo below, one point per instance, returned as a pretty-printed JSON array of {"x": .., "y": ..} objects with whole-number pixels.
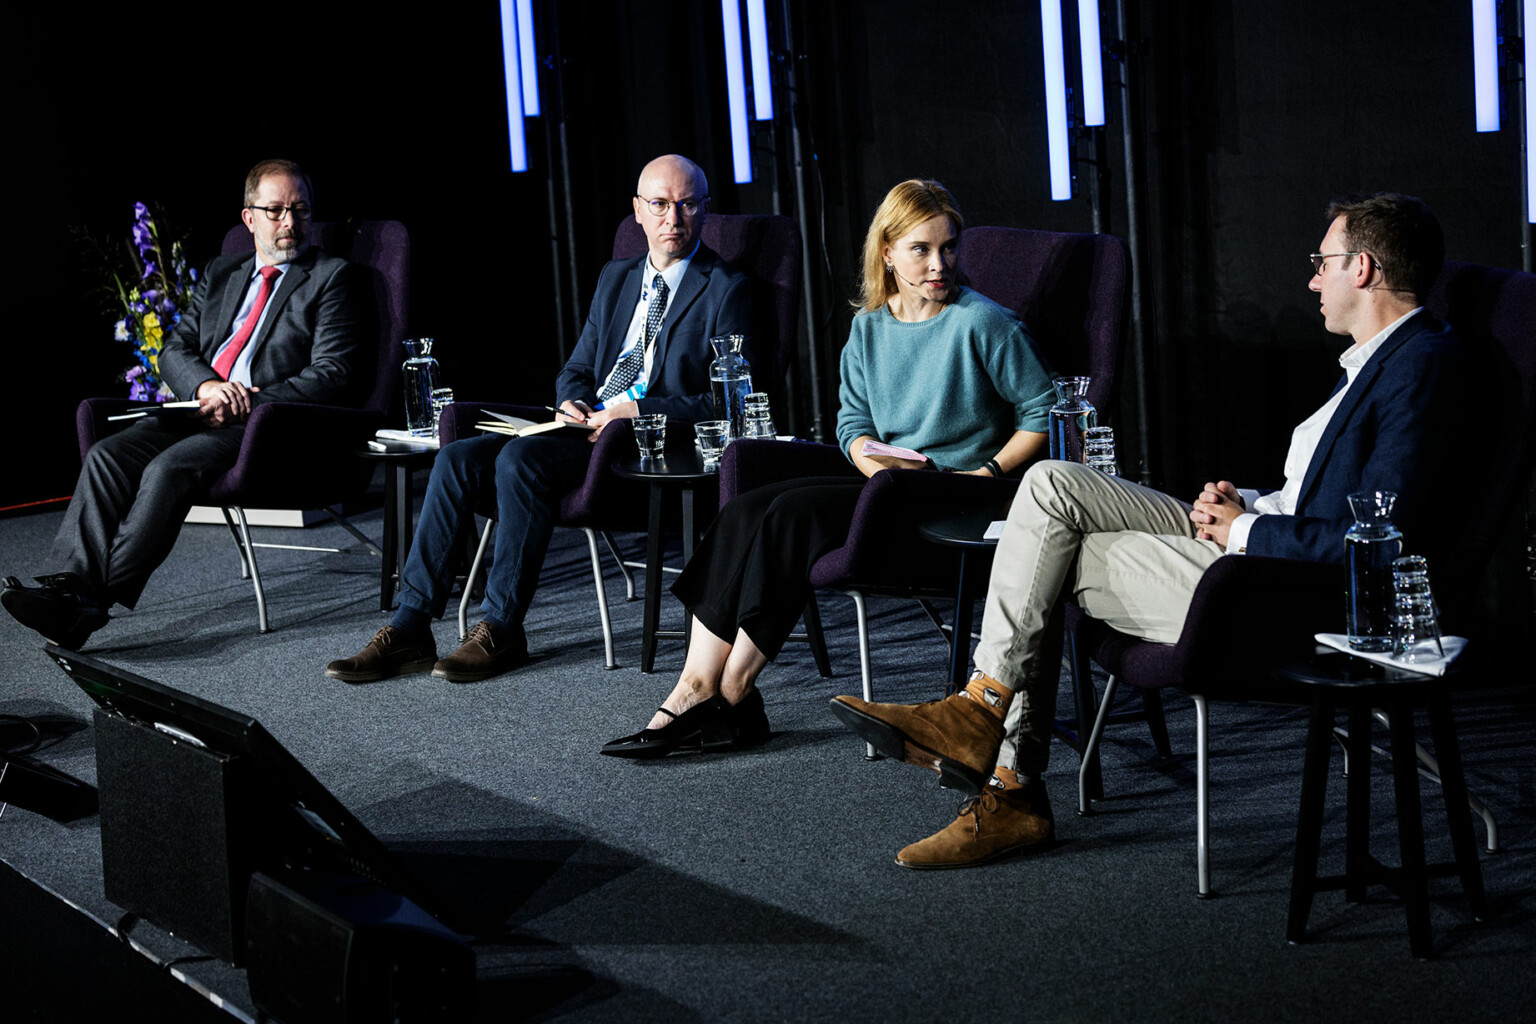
[
  {"x": 1090, "y": 752},
  {"x": 862, "y": 615},
  {"x": 629, "y": 577},
  {"x": 1202, "y": 797},
  {"x": 602, "y": 597},
  {"x": 248, "y": 557},
  {"x": 474, "y": 574},
  {"x": 1430, "y": 769}
]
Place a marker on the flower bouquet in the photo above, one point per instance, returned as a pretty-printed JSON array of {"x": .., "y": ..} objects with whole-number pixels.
[{"x": 152, "y": 305}]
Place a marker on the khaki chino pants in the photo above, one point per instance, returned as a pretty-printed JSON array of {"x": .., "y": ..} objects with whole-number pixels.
[{"x": 1126, "y": 554}]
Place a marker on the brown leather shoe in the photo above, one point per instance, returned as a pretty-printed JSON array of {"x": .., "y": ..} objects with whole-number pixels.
[
  {"x": 993, "y": 824},
  {"x": 389, "y": 653},
  {"x": 957, "y": 737},
  {"x": 486, "y": 652}
]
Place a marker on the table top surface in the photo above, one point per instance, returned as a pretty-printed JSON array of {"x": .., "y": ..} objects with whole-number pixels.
[
  {"x": 399, "y": 450},
  {"x": 678, "y": 465},
  {"x": 1326, "y": 666},
  {"x": 962, "y": 529}
]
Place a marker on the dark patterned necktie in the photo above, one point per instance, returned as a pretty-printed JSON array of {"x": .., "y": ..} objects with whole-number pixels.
[{"x": 629, "y": 367}]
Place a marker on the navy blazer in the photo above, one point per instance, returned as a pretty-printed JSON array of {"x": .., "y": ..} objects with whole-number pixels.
[
  {"x": 1393, "y": 432},
  {"x": 712, "y": 299},
  {"x": 310, "y": 347}
]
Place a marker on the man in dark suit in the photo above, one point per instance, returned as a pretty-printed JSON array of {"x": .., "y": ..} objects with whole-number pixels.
[
  {"x": 1132, "y": 557},
  {"x": 278, "y": 324},
  {"x": 644, "y": 350}
]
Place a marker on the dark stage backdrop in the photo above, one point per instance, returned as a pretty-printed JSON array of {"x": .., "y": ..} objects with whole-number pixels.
[{"x": 1254, "y": 115}]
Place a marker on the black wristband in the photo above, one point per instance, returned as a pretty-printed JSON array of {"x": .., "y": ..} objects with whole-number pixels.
[{"x": 994, "y": 468}]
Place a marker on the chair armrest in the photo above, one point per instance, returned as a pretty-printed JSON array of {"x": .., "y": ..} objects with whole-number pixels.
[
  {"x": 91, "y": 419},
  {"x": 297, "y": 454},
  {"x": 754, "y": 462},
  {"x": 884, "y": 547}
]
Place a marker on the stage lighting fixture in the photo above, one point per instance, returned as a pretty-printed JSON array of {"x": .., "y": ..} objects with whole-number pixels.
[
  {"x": 736, "y": 91},
  {"x": 1093, "y": 65},
  {"x": 1485, "y": 65},
  {"x": 1056, "y": 100},
  {"x": 527, "y": 60},
  {"x": 511, "y": 63},
  {"x": 762, "y": 75}
]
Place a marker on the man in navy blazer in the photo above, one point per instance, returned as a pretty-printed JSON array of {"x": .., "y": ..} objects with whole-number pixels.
[
  {"x": 1132, "y": 557},
  {"x": 645, "y": 349},
  {"x": 278, "y": 324}
]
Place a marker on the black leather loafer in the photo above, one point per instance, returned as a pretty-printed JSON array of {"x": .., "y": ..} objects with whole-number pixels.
[
  {"x": 55, "y": 609},
  {"x": 705, "y": 726}
]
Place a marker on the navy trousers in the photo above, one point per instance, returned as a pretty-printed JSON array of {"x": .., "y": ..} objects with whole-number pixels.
[{"x": 518, "y": 480}]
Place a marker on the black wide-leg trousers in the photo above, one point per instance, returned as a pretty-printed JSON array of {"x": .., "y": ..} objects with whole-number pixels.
[{"x": 752, "y": 569}]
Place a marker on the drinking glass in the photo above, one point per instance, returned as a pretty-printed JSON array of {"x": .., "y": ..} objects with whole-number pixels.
[
  {"x": 651, "y": 435},
  {"x": 712, "y": 436},
  {"x": 1099, "y": 450},
  {"x": 442, "y": 398},
  {"x": 757, "y": 420},
  {"x": 1415, "y": 622}
]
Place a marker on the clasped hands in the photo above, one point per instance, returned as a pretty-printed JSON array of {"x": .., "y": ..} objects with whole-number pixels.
[
  {"x": 581, "y": 412},
  {"x": 1215, "y": 509},
  {"x": 222, "y": 402}
]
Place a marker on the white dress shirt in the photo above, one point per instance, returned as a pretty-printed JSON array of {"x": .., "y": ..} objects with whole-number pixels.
[{"x": 1304, "y": 441}]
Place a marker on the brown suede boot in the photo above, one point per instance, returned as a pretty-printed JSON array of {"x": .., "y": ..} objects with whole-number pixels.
[
  {"x": 957, "y": 737},
  {"x": 994, "y": 824}
]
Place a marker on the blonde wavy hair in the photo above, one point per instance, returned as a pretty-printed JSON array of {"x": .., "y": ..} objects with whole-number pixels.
[{"x": 904, "y": 207}]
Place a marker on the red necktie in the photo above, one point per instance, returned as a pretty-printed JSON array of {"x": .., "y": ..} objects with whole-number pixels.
[{"x": 226, "y": 360}]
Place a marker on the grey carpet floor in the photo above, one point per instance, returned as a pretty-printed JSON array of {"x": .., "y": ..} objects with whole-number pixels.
[{"x": 760, "y": 885}]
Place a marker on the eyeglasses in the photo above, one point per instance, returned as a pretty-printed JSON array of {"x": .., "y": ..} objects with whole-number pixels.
[
  {"x": 1317, "y": 258},
  {"x": 300, "y": 211},
  {"x": 687, "y": 207}
]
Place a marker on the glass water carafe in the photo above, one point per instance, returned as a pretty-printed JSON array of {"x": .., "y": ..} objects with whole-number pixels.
[
  {"x": 730, "y": 381},
  {"x": 1371, "y": 545},
  {"x": 421, "y": 377},
  {"x": 1070, "y": 417}
]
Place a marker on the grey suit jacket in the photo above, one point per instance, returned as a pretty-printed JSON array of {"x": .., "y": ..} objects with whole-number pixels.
[{"x": 309, "y": 348}]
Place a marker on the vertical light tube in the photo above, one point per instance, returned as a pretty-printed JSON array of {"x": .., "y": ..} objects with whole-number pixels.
[
  {"x": 527, "y": 59},
  {"x": 1530, "y": 112},
  {"x": 1093, "y": 64},
  {"x": 1056, "y": 100},
  {"x": 736, "y": 90},
  {"x": 1485, "y": 65},
  {"x": 762, "y": 76},
  {"x": 511, "y": 64}
]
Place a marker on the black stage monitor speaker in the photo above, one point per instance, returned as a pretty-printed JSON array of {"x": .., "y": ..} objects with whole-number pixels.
[
  {"x": 342, "y": 949},
  {"x": 195, "y": 797}
]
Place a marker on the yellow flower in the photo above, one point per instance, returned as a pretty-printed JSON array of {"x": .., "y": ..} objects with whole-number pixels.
[{"x": 152, "y": 330}]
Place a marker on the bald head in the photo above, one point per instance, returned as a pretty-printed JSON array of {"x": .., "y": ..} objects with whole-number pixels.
[{"x": 672, "y": 182}]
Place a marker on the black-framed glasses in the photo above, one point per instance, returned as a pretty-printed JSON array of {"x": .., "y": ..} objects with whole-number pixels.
[
  {"x": 300, "y": 211},
  {"x": 1317, "y": 258},
  {"x": 687, "y": 207}
]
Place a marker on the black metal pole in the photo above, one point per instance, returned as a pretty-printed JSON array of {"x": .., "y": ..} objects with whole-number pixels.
[
  {"x": 1129, "y": 125},
  {"x": 793, "y": 81}
]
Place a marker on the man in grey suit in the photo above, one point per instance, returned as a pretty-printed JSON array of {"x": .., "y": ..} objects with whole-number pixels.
[{"x": 278, "y": 324}]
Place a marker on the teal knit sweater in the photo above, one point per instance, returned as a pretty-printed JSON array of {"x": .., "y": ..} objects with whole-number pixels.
[{"x": 954, "y": 387}]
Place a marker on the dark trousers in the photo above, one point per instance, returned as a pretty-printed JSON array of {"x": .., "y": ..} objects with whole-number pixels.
[
  {"x": 752, "y": 569},
  {"x": 133, "y": 494},
  {"x": 522, "y": 480}
]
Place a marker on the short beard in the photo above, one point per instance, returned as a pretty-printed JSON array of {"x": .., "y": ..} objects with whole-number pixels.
[{"x": 274, "y": 254}]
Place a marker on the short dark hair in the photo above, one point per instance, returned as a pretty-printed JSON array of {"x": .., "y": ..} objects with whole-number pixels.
[
  {"x": 266, "y": 167},
  {"x": 1401, "y": 234}
]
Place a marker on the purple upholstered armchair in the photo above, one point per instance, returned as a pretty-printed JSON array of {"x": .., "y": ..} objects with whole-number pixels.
[
  {"x": 766, "y": 248},
  {"x": 296, "y": 455},
  {"x": 1275, "y": 604},
  {"x": 1070, "y": 289}
]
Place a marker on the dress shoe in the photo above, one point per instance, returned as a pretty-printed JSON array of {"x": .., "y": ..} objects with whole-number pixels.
[
  {"x": 487, "y": 651},
  {"x": 990, "y": 825},
  {"x": 957, "y": 737},
  {"x": 705, "y": 726},
  {"x": 749, "y": 720},
  {"x": 390, "y": 653},
  {"x": 58, "y": 609}
]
